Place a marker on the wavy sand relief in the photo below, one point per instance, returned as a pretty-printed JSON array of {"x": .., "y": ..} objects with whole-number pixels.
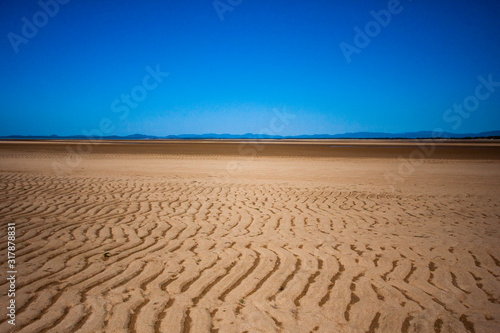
[{"x": 155, "y": 254}]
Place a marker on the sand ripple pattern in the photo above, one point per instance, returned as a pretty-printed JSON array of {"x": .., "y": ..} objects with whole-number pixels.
[{"x": 196, "y": 256}]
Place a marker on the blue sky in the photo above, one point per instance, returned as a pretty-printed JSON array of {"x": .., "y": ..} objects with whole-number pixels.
[{"x": 232, "y": 75}]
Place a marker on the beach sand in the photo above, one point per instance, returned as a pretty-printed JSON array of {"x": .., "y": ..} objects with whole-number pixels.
[{"x": 211, "y": 236}]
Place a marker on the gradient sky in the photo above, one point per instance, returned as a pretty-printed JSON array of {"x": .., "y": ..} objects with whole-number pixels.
[{"x": 231, "y": 75}]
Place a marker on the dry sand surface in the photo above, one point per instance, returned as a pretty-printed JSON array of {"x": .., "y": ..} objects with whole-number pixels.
[{"x": 246, "y": 237}]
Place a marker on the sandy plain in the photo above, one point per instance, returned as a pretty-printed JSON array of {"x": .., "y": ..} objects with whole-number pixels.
[{"x": 228, "y": 236}]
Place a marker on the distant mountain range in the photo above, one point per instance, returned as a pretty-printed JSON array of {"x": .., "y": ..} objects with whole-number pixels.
[{"x": 357, "y": 135}]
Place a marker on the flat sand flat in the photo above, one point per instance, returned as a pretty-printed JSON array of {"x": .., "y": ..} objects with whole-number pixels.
[{"x": 325, "y": 236}]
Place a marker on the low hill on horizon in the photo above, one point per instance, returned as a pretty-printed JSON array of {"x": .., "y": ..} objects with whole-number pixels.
[{"x": 356, "y": 135}]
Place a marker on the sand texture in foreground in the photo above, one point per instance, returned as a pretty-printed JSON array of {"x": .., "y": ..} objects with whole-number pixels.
[{"x": 229, "y": 243}]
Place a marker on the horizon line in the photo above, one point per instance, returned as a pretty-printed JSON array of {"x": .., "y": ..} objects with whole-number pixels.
[{"x": 424, "y": 134}]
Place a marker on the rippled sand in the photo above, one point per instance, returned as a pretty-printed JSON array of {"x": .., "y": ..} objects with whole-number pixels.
[{"x": 200, "y": 237}]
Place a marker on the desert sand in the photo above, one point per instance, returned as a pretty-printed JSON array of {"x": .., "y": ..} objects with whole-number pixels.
[{"x": 308, "y": 236}]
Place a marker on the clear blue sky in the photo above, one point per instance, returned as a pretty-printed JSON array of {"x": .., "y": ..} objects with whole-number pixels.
[{"x": 227, "y": 76}]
